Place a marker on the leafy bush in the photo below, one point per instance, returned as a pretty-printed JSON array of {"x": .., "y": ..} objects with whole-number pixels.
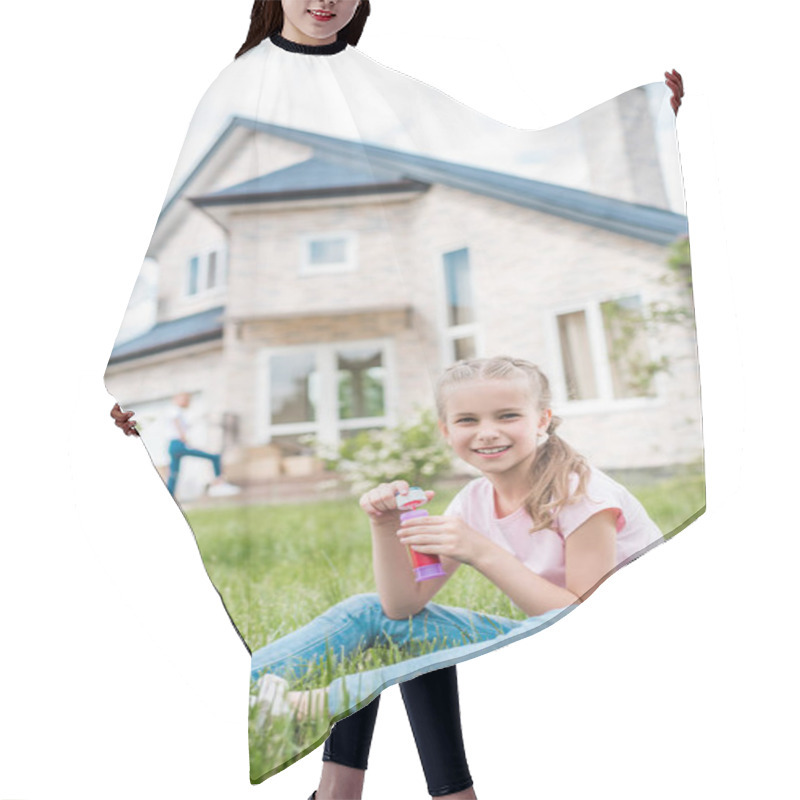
[{"x": 411, "y": 451}]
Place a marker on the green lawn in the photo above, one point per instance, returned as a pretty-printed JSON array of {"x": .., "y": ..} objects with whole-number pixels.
[
  {"x": 332, "y": 548},
  {"x": 331, "y": 551}
]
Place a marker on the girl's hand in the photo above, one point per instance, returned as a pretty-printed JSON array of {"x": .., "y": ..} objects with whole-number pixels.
[
  {"x": 675, "y": 82},
  {"x": 123, "y": 420},
  {"x": 442, "y": 536},
  {"x": 380, "y": 501}
]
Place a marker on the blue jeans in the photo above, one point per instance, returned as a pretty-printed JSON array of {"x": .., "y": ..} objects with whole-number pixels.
[
  {"x": 456, "y": 634},
  {"x": 177, "y": 450}
]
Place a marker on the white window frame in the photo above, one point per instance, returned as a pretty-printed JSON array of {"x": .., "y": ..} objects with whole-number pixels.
[
  {"x": 327, "y": 427},
  {"x": 203, "y": 289},
  {"x": 449, "y": 333},
  {"x": 600, "y": 360},
  {"x": 350, "y": 264}
]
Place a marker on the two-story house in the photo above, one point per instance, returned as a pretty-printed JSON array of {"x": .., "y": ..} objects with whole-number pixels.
[{"x": 302, "y": 284}]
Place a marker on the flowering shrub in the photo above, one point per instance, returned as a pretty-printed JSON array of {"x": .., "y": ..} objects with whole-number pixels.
[{"x": 411, "y": 451}]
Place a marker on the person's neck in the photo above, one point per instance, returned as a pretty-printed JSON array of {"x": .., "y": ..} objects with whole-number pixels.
[
  {"x": 294, "y": 34},
  {"x": 509, "y": 492}
]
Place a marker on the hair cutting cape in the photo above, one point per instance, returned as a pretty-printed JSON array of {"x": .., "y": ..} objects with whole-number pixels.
[{"x": 335, "y": 235}]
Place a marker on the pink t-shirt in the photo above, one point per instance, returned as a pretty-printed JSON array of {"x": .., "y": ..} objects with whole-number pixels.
[{"x": 543, "y": 551}]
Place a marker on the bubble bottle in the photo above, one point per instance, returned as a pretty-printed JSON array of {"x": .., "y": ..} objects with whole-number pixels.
[{"x": 425, "y": 566}]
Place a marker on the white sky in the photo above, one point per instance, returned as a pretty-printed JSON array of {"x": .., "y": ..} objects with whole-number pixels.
[{"x": 356, "y": 98}]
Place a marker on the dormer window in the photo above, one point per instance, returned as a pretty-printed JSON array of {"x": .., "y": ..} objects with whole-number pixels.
[{"x": 326, "y": 253}]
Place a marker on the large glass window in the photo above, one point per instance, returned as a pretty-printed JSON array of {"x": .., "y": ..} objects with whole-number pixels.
[
  {"x": 576, "y": 356},
  {"x": 460, "y": 308},
  {"x": 460, "y": 316},
  {"x": 626, "y": 343},
  {"x": 327, "y": 390},
  {"x": 604, "y": 351},
  {"x": 361, "y": 379},
  {"x": 293, "y": 385}
]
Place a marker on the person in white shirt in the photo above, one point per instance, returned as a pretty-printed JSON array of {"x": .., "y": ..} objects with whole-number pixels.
[{"x": 179, "y": 448}]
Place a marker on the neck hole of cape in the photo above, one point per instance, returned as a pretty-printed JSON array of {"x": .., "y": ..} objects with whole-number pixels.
[{"x": 308, "y": 49}]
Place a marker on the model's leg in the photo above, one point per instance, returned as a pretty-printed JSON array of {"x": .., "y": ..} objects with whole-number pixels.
[
  {"x": 443, "y": 623},
  {"x": 359, "y": 622},
  {"x": 338, "y": 632},
  {"x": 214, "y": 458},
  {"x": 433, "y": 711},
  {"x": 351, "y": 738},
  {"x": 346, "y": 753},
  {"x": 432, "y": 706},
  {"x": 176, "y": 450}
]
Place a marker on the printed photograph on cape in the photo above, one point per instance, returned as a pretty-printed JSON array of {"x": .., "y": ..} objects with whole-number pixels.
[{"x": 364, "y": 299}]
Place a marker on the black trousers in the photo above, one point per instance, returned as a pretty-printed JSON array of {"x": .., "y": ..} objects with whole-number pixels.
[{"x": 431, "y": 702}]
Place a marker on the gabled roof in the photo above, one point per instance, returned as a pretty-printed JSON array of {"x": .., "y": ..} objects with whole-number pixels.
[
  {"x": 631, "y": 219},
  {"x": 204, "y": 326},
  {"x": 315, "y": 177}
]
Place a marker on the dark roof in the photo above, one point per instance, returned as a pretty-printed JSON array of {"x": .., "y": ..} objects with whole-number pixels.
[
  {"x": 314, "y": 177},
  {"x": 632, "y": 219},
  {"x": 204, "y": 326}
]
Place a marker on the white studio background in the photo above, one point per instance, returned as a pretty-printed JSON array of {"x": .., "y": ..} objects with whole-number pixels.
[{"x": 120, "y": 674}]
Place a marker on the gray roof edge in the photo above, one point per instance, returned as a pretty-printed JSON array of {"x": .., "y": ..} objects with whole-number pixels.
[
  {"x": 143, "y": 344},
  {"x": 165, "y": 347},
  {"x": 305, "y": 194},
  {"x": 233, "y": 123},
  {"x": 633, "y": 219}
]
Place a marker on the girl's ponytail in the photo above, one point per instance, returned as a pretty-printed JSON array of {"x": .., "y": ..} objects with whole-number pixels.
[
  {"x": 553, "y": 474},
  {"x": 559, "y": 475}
]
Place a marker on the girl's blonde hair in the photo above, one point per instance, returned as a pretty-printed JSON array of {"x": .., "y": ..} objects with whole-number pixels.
[{"x": 555, "y": 462}]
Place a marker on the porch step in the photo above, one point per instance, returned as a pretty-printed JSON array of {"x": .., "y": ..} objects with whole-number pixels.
[{"x": 280, "y": 490}]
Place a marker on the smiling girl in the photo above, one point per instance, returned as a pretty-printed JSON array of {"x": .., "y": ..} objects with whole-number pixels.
[
  {"x": 500, "y": 442},
  {"x": 541, "y": 523},
  {"x": 316, "y": 23},
  {"x": 544, "y": 526}
]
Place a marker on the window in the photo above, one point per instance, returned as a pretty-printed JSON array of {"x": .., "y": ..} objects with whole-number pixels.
[
  {"x": 326, "y": 253},
  {"x": 361, "y": 377},
  {"x": 329, "y": 391},
  {"x": 211, "y": 272},
  {"x": 460, "y": 316},
  {"x": 626, "y": 345},
  {"x": 576, "y": 356},
  {"x": 194, "y": 275},
  {"x": 604, "y": 351},
  {"x": 204, "y": 272},
  {"x": 294, "y": 383}
]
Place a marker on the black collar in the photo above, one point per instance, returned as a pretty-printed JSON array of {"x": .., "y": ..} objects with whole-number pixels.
[{"x": 308, "y": 49}]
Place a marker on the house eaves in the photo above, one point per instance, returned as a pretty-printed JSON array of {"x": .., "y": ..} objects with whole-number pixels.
[
  {"x": 205, "y": 326},
  {"x": 315, "y": 177},
  {"x": 314, "y": 313},
  {"x": 630, "y": 219}
]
